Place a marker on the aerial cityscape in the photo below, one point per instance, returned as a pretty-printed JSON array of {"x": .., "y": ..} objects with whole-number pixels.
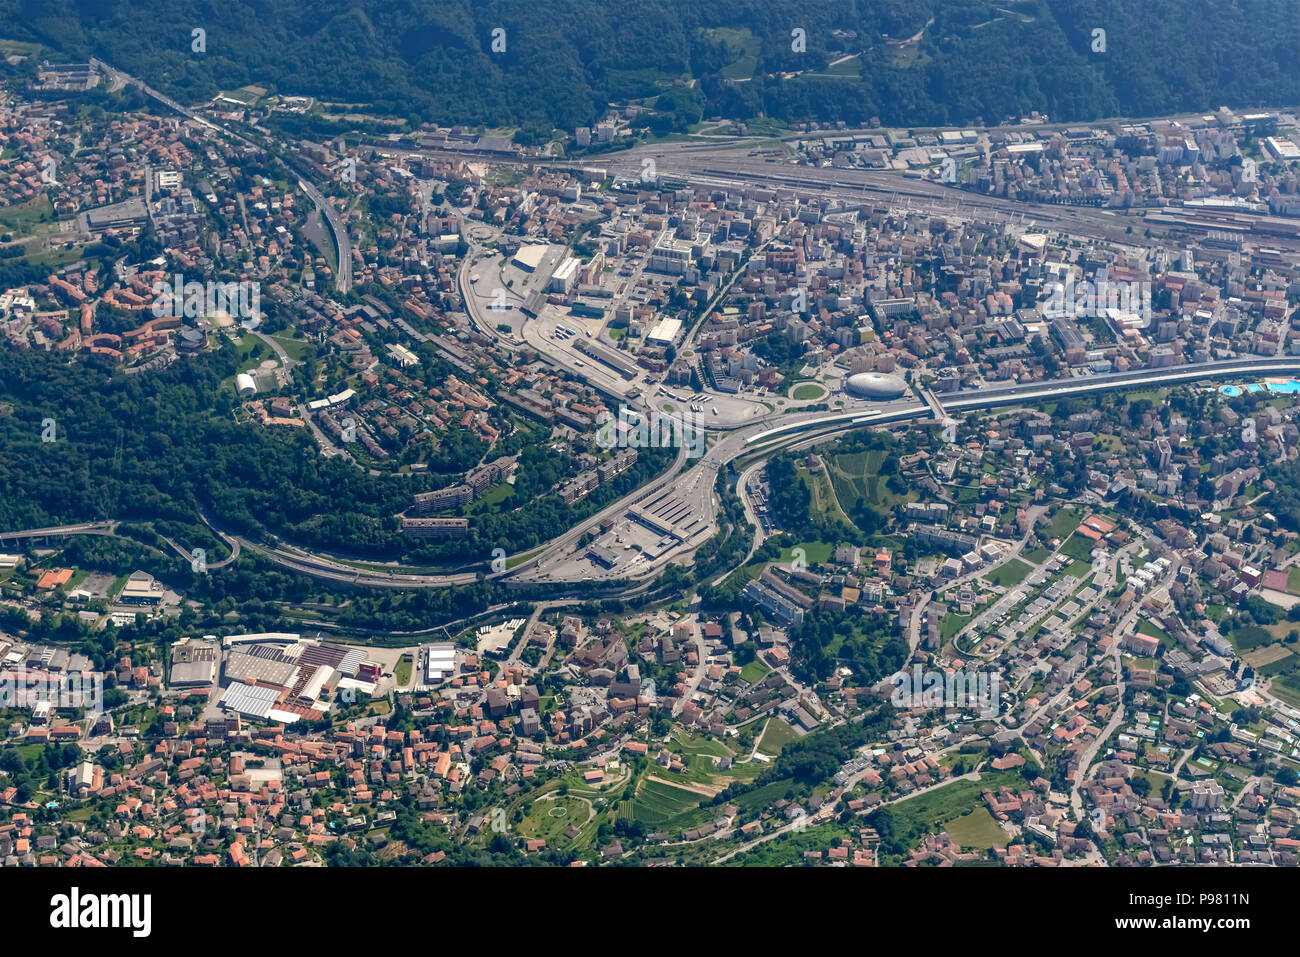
[{"x": 712, "y": 468}]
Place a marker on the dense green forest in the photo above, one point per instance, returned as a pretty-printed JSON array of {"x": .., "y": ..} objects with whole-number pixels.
[
  {"x": 433, "y": 60},
  {"x": 164, "y": 448}
]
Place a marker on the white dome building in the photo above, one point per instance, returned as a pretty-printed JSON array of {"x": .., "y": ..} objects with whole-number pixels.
[
  {"x": 245, "y": 385},
  {"x": 875, "y": 385}
]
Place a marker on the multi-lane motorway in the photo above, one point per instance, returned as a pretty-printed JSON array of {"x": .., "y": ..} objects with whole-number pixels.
[
  {"x": 341, "y": 238},
  {"x": 693, "y": 480}
]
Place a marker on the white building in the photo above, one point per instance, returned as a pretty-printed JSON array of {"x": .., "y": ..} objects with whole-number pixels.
[
  {"x": 665, "y": 331},
  {"x": 439, "y": 662},
  {"x": 565, "y": 277}
]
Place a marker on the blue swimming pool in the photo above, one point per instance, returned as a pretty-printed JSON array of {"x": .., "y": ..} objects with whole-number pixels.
[{"x": 1286, "y": 388}]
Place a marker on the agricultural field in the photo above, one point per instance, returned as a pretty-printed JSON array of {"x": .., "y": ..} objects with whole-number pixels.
[
  {"x": 656, "y": 802},
  {"x": 825, "y": 502}
]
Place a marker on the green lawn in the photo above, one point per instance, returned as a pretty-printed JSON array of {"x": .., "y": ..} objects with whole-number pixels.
[
  {"x": 496, "y": 494},
  {"x": 1156, "y": 632},
  {"x": 1065, "y": 521},
  {"x": 1079, "y": 547},
  {"x": 21, "y": 218},
  {"x": 951, "y": 625},
  {"x": 550, "y": 819},
  {"x": 808, "y": 390},
  {"x": 1011, "y": 573},
  {"x": 1293, "y": 580},
  {"x": 698, "y": 744},
  {"x": 1156, "y": 779},
  {"x": 520, "y": 559},
  {"x": 754, "y": 671},
  {"x": 403, "y": 670},
  {"x": 977, "y": 831},
  {"x": 814, "y": 552},
  {"x": 295, "y": 349},
  {"x": 935, "y": 810},
  {"x": 776, "y": 736}
]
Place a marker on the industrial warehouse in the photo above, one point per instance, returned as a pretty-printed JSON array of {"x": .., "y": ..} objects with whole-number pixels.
[{"x": 273, "y": 676}]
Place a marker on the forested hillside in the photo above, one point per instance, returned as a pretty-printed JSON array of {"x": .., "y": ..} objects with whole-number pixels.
[
  {"x": 908, "y": 62},
  {"x": 163, "y": 448}
]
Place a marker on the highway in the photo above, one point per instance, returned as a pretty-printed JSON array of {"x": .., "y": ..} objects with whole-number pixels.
[
  {"x": 693, "y": 481},
  {"x": 696, "y": 483},
  {"x": 341, "y": 239},
  {"x": 1082, "y": 385},
  {"x": 344, "y": 244},
  {"x": 60, "y": 531}
]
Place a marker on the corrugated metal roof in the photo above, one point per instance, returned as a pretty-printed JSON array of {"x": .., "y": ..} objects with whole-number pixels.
[
  {"x": 248, "y": 700},
  {"x": 351, "y": 661}
]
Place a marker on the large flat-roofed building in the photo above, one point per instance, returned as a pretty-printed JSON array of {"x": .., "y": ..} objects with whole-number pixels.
[
  {"x": 488, "y": 475},
  {"x": 403, "y": 356},
  {"x": 1281, "y": 149},
  {"x": 603, "y": 555},
  {"x": 578, "y": 486},
  {"x": 260, "y": 638},
  {"x": 426, "y": 502},
  {"x": 773, "y": 601},
  {"x": 665, "y": 331},
  {"x": 439, "y": 661},
  {"x": 194, "y": 663},
  {"x": 528, "y": 258},
  {"x": 671, "y": 256},
  {"x": 888, "y": 308},
  {"x": 267, "y": 668},
  {"x": 67, "y": 76},
  {"x": 141, "y": 589},
  {"x": 131, "y": 212},
  {"x": 565, "y": 277},
  {"x": 435, "y": 527},
  {"x": 1067, "y": 333},
  {"x": 248, "y": 701}
]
